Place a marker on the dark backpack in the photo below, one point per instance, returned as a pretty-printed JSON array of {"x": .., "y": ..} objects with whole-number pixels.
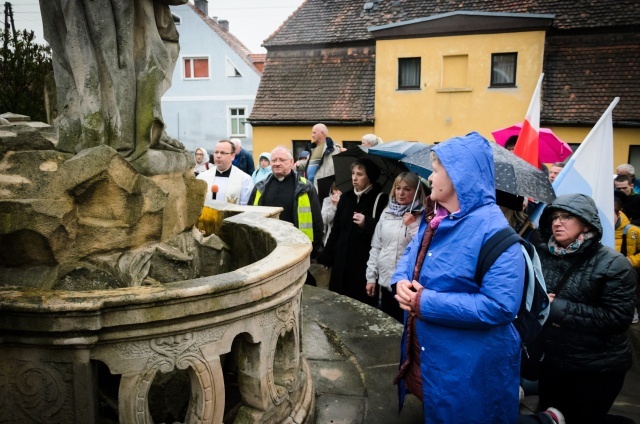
[{"x": 534, "y": 306}]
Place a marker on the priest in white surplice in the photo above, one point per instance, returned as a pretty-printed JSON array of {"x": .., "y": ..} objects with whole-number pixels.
[{"x": 225, "y": 182}]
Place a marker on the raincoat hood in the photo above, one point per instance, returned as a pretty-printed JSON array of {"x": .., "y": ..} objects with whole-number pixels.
[
  {"x": 267, "y": 156},
  {"x": 469, "y": 162},
  {"x": 579, "y": 205}
]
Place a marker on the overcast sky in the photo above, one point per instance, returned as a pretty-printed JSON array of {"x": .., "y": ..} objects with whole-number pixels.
[{"x": 250, "y": 20}]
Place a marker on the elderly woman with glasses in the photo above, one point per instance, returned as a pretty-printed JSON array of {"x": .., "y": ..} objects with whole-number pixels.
[{"x": 592, "y": 291}]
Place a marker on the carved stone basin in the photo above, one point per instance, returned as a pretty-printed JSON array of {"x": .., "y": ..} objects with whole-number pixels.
[{"x": 206, "y": 350}]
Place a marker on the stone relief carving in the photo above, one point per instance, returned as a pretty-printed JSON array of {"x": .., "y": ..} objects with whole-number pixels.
[
  {"x": 167, "y": 346},
  {"x": 284, "y": 353},
  {"x": 112, "y": 63},
  {"x": 38, "y": 390}
]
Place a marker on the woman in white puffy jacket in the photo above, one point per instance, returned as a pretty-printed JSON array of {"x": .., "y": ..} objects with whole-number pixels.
[{"x": 397, "y": 226}]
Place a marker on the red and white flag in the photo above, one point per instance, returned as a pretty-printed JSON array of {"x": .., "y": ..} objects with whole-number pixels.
[{"x": 527, "y": 146}]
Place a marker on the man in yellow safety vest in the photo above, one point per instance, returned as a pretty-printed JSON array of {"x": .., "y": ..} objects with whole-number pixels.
[{"x": 292, "y": 192}]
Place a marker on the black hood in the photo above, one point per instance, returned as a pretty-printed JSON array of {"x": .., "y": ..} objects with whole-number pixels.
[{"x": 579, "y": 205}]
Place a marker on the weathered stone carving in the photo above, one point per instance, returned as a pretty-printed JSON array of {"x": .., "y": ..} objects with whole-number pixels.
[
  {"x": 112, "y": 61},
  {"x": 131, "y": 341},
  {"x": 91, "y": 221},
  {"x": 39, "y": 391}
]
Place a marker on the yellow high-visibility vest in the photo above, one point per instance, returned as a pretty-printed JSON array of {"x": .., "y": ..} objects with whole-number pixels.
[{"x": 305, "y": 217}]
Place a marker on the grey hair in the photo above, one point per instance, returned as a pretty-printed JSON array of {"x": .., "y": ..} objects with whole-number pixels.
[
  {"x": 626, "y": 167},
  {"x": 284, "y": 148},
  {"x": 372, "y": 138},
  {"x": 323, "y": 128},
  {"x": 237, "y": 142}
]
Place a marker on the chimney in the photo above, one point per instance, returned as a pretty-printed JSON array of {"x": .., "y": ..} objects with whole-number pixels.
[
  {"x": 203, "y": 5},
  {"x": 224, "y": 24}
]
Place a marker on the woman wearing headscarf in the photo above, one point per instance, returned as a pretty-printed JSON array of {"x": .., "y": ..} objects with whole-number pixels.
[
  {"x": 202, "y": 161},
  {"x": 592, "y": 292},
  {"x": 460, "y": 352},
  {"x": 347, "y": 249},
  {"x": 397, "y": 226}
]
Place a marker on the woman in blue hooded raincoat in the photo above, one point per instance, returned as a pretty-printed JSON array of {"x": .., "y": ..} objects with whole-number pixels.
[{"x": 460, "y": 352}]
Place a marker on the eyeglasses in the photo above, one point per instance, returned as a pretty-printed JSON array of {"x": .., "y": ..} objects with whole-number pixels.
[
  {"x": 221, "y": 153},
  {"x": 562, "y": 217},
  {"x": 199, "y": 154}
]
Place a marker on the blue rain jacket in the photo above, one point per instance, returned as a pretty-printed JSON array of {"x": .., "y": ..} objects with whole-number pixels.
[{"x": 469, "y": 348}]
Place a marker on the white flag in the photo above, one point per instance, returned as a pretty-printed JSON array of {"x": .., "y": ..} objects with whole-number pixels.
[{"x": 589, "y": 172}]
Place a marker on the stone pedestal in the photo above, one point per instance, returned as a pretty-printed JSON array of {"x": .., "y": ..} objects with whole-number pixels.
[{"x": 237, "y": 332}]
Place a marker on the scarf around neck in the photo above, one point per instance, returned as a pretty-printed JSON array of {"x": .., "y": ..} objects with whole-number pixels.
[
  {"x": 360, "y": 193},
  {"x": 399, "y": 210},
  {"x": 556, "y": 249}
]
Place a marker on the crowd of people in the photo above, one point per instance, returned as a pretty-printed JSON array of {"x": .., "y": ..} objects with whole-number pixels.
[{"x": 413, "y": 252}]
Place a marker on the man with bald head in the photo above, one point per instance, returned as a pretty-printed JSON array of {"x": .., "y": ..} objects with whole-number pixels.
[
  {"x": 320, "y": 163},
  {"x": 294, "y": 194}
]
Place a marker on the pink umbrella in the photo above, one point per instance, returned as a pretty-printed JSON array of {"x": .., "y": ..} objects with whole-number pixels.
[{"x": 551, "y": 148}]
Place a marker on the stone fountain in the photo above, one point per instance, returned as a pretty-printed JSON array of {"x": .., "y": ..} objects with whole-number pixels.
[{"x": 114, "y": 305}]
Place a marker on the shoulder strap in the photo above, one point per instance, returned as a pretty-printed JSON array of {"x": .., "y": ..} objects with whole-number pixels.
[
  {"x": 492, "y": 249},
  {"x": 375, "y": 205}
]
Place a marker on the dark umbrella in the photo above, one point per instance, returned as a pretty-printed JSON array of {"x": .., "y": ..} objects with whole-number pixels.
[
  {"x": 389, "y": 168},
  {"x": 397, "y": 149},
  {"x": 512, "y": 175}
]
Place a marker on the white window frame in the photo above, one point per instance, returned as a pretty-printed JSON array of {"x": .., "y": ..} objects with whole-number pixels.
[
  {"x": 242, "y": 117},
  {"x": 230, "y": 69},
  {"x": 183, "y": 60}
]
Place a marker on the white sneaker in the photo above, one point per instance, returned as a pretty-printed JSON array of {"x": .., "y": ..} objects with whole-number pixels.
[
  {"x": 635, "y": 316},
  {"x": 555, "y": 415}
]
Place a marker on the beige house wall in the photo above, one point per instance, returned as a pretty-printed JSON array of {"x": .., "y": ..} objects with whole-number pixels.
[
  {"x": 440, "y": 110},
  {"x": 450, "y": 103},
  {"x": 266, "y": 138}
]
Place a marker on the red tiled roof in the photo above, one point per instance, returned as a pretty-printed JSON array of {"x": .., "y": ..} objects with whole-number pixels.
[
  {"x": 582, "y": 72},
  {"x": 333, "y": 21},
  {"x": 258, "y": 60},
  {"x": 229, "y": 38},
  {"x": 317, "y": 85}
]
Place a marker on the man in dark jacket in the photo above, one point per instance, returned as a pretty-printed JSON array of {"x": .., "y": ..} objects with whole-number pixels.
[
  {"x": 243, "y": 159},
  {"x": 592, "y": 292},
  {"x": 631, "y": 201},
  {"x": 297, "y": 196}
]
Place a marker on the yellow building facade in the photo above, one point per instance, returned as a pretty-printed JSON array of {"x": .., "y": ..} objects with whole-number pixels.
[
  {"x": 440, "y": 110},
  {"x": 265, "y": 138},
  {"x": 455, "y": 94}
]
